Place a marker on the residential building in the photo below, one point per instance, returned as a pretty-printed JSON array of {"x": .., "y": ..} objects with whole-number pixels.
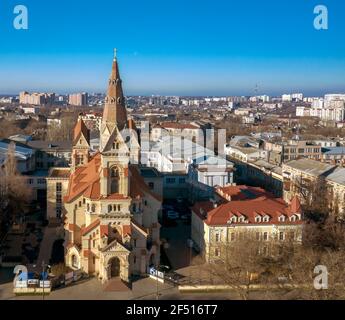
[
  {"x": 78, "y": 99},
  {"x": 51, "y": 153},
  {"x": 35, "y": 98},
  {"x": 216, "y": 225},
  {"x": 57, "y": 188}
]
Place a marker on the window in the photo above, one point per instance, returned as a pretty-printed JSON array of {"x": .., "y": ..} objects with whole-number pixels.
[
  {"x": 79, "y": 204},
  {"x": 216, "y": 252},
  {"x": 109, "y": 208},
  {"x": 114, "y": 174},
  {"x": 151, "y": 185},
  {"x": 93, "y": 208},
  {"x": 93, "y": 260},
  {"x": 258, "y": 236},
  {"x": 75, "y": 261},
  {"x": 217, "y": 237},
  {"x": 94, "y": 243},
  {"x": 266, "y": 219},
  {"x": 292, "y": 235},
  {"x": 58, "y": 187},
  {"x": 281, "y": 236},
  {"x": 300, "y": 150},
  {"x": 232, "y": 236},
  {"x": 265, "y": 236},
  {"x": 257, "y": 219},
  {"x": 58, "y": 213},
  {"x": 58, "y": 199},
  {"x": 282, "y": 218},
  {"x": 171, "y": 180},
  {"x": 182, "y": 180},
  {"x": 293, "y": 218}
]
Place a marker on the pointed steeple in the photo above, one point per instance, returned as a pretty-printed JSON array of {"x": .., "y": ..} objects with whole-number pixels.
[
  {"x": 115, "y": 113},
  {"x": 81, "y": 129}
]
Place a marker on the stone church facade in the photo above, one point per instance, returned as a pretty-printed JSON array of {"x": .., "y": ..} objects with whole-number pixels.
[{"x": 111, "y": 215}]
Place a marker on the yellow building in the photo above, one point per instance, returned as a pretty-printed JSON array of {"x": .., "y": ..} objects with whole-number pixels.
[
  {"x": 111, "y": 219},
  {"x": 238, "y": 211}
]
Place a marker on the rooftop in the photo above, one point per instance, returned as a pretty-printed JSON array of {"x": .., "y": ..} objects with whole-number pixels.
[
  {"x": 248, "y": 211},
  {"x": 311, "y": 167}
]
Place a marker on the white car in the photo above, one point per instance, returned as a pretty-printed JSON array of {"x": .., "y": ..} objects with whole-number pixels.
[{"x": 172, "y": 215}]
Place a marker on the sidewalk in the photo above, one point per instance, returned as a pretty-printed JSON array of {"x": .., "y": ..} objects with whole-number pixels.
[{"x": 50, "y": 235}]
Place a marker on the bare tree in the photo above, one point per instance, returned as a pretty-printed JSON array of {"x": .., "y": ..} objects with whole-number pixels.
[{"x": 14, "y": 193}]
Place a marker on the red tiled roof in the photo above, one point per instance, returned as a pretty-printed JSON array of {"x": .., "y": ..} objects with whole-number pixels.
[
  {"x": 104, "y": 229},
  {"x": 249, "y": 209},
  {"x": 85, "y": 180},
  {"x": 79, "y": 129},
  {"x": 90, "y": 227},
  {"x": 295, "y": 205},
  {"x": 126, "y": 230}
]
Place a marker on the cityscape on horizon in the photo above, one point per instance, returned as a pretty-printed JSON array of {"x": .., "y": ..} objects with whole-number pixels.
[{"x": 201, "y": 159}]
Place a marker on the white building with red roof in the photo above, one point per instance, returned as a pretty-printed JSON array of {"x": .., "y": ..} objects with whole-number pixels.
[{"x": 238, "y": 210}]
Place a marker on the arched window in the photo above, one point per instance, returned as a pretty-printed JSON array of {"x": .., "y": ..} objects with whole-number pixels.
[
  {"x": 114, "y": 175},
  {"x": 74, "y": 261},
  {"x": 109, "y": 208}
]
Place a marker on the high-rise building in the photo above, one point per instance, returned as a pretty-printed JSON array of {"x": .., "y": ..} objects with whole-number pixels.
[
  {"x": 78, "y": 99},
  {"x": 35, "y": 98}
]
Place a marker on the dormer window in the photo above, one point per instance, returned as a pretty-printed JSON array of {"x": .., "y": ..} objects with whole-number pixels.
[
  {"x": 234, "y": 219},
  {"x": 293, "y": 218},
  {"x": 241, "y": 219},
  {"x": 258, "y": 219},
  {"x": 266, "y": 219},
  {"x": 282, "y": 218}
]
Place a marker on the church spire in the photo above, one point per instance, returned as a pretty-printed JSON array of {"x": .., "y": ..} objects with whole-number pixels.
[{"x": 115, "y": 113}]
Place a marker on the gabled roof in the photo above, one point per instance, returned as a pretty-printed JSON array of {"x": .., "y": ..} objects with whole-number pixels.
[
  {"x": 85, "y": 180},
  {"x": 250, "y": 209},
  {"x": 81, "y": 130},
  {"x": 90, "y": 227}
]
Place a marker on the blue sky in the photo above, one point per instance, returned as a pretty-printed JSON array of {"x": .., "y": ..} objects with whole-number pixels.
[{"x": 182, "y": 47}]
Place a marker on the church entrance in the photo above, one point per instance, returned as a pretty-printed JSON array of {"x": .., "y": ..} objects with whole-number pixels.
[{"x": 115, "y": 267}]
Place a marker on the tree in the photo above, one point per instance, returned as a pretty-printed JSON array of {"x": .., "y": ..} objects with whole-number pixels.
[
  {"x": 14, "y": 193},
  {"x": 284, "y": 270}
]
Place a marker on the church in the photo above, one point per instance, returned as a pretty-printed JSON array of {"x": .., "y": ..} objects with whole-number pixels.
[{"x": 111, "y": 215}]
